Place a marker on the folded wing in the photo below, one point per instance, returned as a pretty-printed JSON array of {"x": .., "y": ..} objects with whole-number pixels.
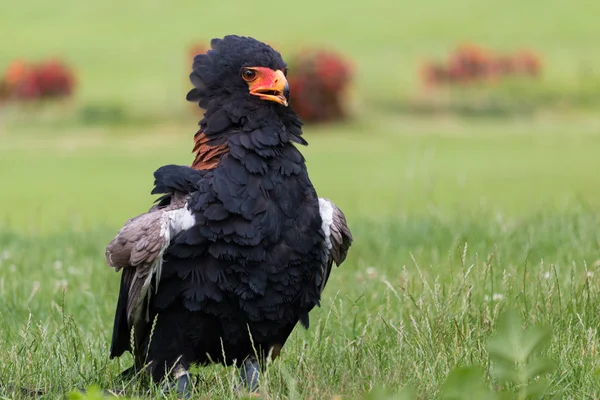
[
  {"x": 139, "y": 246},
  {"x": 338, "y": 237}
]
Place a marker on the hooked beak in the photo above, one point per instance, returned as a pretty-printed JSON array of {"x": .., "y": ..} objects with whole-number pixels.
[{"x": 272, "y": 86}]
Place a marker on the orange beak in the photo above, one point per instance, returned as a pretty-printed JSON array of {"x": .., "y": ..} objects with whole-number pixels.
[{"x": 270, "y": 85}]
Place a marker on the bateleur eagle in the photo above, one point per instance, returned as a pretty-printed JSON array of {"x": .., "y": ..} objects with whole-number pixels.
[{"x": 239, "y": 247}]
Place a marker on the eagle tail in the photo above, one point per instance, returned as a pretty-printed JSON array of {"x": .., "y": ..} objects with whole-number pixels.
[{"x": 120, "y": 337}]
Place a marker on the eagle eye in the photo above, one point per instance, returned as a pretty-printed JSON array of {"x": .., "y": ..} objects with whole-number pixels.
[{"x": 248, "y": 75}]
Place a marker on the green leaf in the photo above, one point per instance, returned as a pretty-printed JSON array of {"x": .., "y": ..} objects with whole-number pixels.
[
  {"x": 534, "y": 338},
  {"x": 512, "y": 344},
  {"x": 406, "y": 393},
  {"x": 535, "y": 390},
  {"x": 379, "y": 393},
  {"x": 91, "y": 393},
  {"x": 539, "y": 366},
  {"x": 505, "y": 374},
  {"x": 506, "y": 344},
  {"x": 466, "y": 383},
  {"x": 76, "y": 395},
  {"x": 512, "y": 352}
]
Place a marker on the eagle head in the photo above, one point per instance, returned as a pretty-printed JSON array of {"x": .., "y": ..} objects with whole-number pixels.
[{"x": 239, "y": 70}]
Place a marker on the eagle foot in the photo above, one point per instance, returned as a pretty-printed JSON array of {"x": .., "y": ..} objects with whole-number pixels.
[
  {"x": 250, "y": 374},
  {"x": 181, "y": 385}
]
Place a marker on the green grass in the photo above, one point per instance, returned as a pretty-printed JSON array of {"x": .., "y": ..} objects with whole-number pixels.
[
  {"x": 419, "y": 296},
  {"x": 455, "y": 219}
]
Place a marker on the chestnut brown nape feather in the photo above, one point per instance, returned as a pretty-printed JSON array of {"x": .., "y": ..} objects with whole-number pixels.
[{"x": 207, "y": 155}]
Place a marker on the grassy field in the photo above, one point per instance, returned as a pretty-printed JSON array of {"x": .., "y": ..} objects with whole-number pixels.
[{"x": 454, "y": 219}]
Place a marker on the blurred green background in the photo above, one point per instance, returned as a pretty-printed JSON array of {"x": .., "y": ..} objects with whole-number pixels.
[{"x": 132, "y": 64}]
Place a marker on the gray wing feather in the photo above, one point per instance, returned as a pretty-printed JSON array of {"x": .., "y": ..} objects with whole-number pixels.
[
  {"x": 340, "y": 239},
  {"x": 141, "y": 240},
  {"x": 138, "y": 247}
]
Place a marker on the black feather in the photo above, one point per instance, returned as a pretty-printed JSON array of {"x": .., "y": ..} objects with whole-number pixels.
[{"x": 170, "y": 178}]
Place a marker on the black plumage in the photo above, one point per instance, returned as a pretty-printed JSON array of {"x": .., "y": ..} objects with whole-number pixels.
[{"x": 248, "y": 252}]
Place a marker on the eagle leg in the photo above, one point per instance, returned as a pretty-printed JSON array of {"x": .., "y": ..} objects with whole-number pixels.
[
  {"x": 182, "y": 385},
  {"x": 250, "y": 374}
]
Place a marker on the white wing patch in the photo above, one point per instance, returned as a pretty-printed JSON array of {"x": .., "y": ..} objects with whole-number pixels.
[
  {"x": 326, "y": 211},
  {"x": 181, "y": 219},
  {"x": 172, "y": 223}
]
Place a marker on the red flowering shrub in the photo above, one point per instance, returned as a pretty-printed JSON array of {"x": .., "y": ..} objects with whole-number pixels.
[
  {"x": 472, "y": 64},
  {"x": 55, "y": 79},
  {"x": 20, "y": 80},
  {"x": 3, "y": 89},
  {"x": 318, "y": 82},
  {"x": 47, "y": 79}
]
